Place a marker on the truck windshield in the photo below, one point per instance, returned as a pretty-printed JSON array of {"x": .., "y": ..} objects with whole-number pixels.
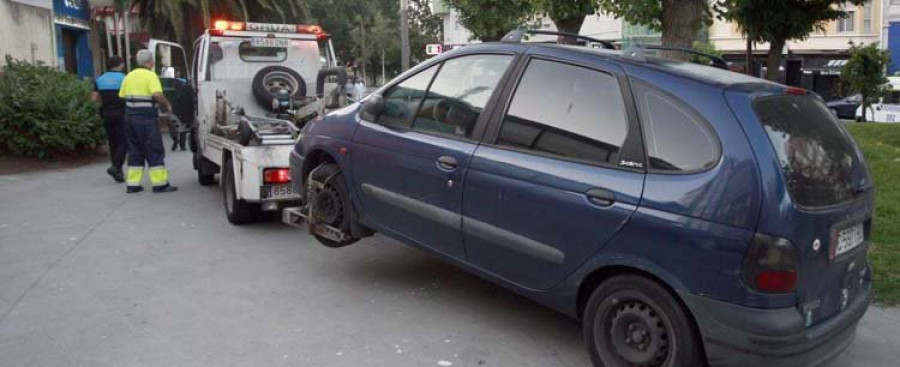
[{"x": 819, "y": 159}]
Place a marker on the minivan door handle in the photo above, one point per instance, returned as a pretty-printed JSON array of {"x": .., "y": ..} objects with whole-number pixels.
[
  {"x": 601, "y": 197},
  {"x": 447, "y": 163}
]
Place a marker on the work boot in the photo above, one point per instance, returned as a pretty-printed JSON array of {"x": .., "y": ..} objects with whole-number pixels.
[
  {"x": 116, "y": 174},
  {"x": 134, "y": 189},
  {"x": 166, "y": 188}
]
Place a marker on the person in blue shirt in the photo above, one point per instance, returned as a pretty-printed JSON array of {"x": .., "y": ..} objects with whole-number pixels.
[{"x": 112, "y": 110}]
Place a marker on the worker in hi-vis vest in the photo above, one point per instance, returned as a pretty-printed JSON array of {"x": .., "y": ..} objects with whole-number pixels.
[{"x": 143, "y": 96}]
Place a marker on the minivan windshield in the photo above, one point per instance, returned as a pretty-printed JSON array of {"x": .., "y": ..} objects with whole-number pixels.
[{"x": 819, "y": 159}]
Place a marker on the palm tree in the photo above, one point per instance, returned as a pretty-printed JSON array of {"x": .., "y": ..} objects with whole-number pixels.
[{"x": 183, "y": 20}]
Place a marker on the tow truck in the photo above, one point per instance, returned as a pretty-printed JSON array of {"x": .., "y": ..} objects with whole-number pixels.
[{"x": 255, "y": 86}]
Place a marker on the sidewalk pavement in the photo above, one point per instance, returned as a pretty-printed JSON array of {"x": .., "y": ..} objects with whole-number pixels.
[{"x": 90, "y": 276}]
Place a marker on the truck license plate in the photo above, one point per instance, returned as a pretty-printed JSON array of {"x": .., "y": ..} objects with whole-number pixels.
[
  {"x": 261, "y": 42},
  {"x": 280, "y": 191},
  {"x": 848, "y": 239}
]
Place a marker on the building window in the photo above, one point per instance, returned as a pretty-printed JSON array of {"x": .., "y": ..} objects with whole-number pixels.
[
  {"x": 846, "y": 24},
  {"x": 867, "y": 17}
]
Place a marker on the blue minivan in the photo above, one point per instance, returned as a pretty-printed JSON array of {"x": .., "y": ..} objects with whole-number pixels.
[{"x": 686, "y": 215}]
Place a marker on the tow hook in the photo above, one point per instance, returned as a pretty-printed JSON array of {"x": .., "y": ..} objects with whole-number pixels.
[{"x": 305, "y": 215}]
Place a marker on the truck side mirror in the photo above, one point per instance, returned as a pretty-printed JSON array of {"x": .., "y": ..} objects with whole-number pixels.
[{"x": 372, "y": 108}]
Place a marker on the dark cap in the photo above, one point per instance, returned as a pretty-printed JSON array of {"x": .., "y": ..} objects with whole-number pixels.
[{"x": 114, "y": 62}]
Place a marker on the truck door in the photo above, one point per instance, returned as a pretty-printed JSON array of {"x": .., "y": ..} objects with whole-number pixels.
[{"x": 170, "y": 63}]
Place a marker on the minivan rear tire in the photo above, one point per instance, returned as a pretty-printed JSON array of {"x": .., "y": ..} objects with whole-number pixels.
[{"x": 631, "y": 320}]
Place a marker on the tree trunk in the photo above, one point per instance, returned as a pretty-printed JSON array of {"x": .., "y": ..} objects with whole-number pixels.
[
  {"x": 681, "y": 19},
  {"x": 569, "y": 25},
  {"x": 773, "y": 66},
  {"x": 865, "y": 106},
  {"x": 404, "y": 35},
  {"x": 749, "y": 57}
]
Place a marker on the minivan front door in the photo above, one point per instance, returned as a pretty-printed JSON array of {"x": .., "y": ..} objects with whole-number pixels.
[
  {"x": 552, "y": 189},
  {"x": 409, "y": 165}
]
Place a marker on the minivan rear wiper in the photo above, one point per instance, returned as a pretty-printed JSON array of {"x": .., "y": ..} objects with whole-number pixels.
[{"x": 859, "y": 190}]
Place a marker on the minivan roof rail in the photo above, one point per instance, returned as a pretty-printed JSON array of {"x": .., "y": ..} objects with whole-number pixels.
[
  {"x": 717, "y": 61},
  {"x": 517, "y": 35}
]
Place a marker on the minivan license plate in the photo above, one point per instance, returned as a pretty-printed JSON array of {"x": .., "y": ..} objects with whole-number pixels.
[{"x": 848, "y": 239}]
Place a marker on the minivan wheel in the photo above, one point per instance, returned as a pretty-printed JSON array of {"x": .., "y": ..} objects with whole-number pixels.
[
  {"x": 633, "y": 321},
  {"x": 332, "y": 204}
]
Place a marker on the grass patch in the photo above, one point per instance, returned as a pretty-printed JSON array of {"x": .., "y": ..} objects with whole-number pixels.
[{"x": 881, "y": 145}]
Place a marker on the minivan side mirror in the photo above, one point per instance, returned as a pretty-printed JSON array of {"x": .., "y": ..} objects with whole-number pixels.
[{"x": 372, "y": 107}]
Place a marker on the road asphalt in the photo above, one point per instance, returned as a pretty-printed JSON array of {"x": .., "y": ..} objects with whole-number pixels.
[{"x": 90, "y": 276}]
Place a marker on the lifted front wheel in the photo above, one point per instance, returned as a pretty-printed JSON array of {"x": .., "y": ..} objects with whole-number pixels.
[{"x": 330, "y": 211}]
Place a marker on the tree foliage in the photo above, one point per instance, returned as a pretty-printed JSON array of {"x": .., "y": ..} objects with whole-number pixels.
[
  {"x": 568, "y": 16},
  {"x": 779, "y": 21},
  {"x": 184, "y": 20},
  {"x": 490, "y": 20},
  {"x": 363, "y": 30},
  {"x": 864, "y": 73},
  {"x": 46, "y": 112}
]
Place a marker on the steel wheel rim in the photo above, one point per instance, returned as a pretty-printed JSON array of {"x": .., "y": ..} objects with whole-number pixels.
[
  {"x": 630, "y": 331},
  {"x": 329, "y": 207}
]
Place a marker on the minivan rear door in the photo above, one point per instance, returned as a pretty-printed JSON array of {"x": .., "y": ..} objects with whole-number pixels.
[
  {"x": 824, "y": 203},
  {"x": 557, "y": 177}
]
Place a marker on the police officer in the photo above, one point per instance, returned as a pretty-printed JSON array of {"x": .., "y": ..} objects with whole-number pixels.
[
  {"x": 112, "y": 110},
  {"x": 143, "y": 95}
]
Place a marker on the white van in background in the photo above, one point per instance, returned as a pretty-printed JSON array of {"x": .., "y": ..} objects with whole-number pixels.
[{"x": 888, "y": 108}]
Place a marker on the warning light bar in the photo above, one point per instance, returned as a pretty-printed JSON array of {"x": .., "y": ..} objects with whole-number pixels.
[{"x": 224, "y": 25}]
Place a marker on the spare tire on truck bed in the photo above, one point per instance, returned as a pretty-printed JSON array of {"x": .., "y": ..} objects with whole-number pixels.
[{"x": 272, "y": 78}]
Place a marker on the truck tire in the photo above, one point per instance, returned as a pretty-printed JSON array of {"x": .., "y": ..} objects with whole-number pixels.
[
  {"x": 206, "y": 170},
  {"x": 271, "y": 78},
  {"x": 238, "y": 211},
  {"x": 332, "y": 205}
]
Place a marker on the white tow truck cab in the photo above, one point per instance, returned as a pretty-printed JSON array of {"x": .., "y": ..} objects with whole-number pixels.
[{"x": 256, "y": 84}]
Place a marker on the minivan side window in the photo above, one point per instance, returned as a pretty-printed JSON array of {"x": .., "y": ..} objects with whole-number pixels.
[
  {"x": 402, "y": 100},
  {"x": 459, "y": 93},
  {"x": 566, "y": 111},
  {"x": 677, "y": 138}
]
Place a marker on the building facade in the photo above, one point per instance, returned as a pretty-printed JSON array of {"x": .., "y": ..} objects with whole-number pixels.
[
  {"x": 890, "y": 34},
  {"x": 74, "y": 36},
  {"x": 815, "y": 62},
  {"x": 26, "y": 31}
]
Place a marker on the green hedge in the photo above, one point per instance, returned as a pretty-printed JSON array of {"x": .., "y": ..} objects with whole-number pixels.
[{"x": 45, "y": 112}]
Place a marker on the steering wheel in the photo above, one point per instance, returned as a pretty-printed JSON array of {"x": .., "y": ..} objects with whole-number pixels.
[{"x": 442, "y": 110}]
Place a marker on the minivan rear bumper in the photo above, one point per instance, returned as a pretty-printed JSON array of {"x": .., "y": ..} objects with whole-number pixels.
[{"x": 743, "y": 336}]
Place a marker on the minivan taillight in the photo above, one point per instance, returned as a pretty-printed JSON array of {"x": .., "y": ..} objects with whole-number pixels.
[{"x": 771, "y": 265}]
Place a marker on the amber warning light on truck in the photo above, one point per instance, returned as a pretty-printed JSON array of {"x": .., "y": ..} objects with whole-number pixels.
[{"x": 225, "y": 25}]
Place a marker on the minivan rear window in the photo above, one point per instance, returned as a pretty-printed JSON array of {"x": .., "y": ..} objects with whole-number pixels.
[{"x": 818, "y": 157}]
